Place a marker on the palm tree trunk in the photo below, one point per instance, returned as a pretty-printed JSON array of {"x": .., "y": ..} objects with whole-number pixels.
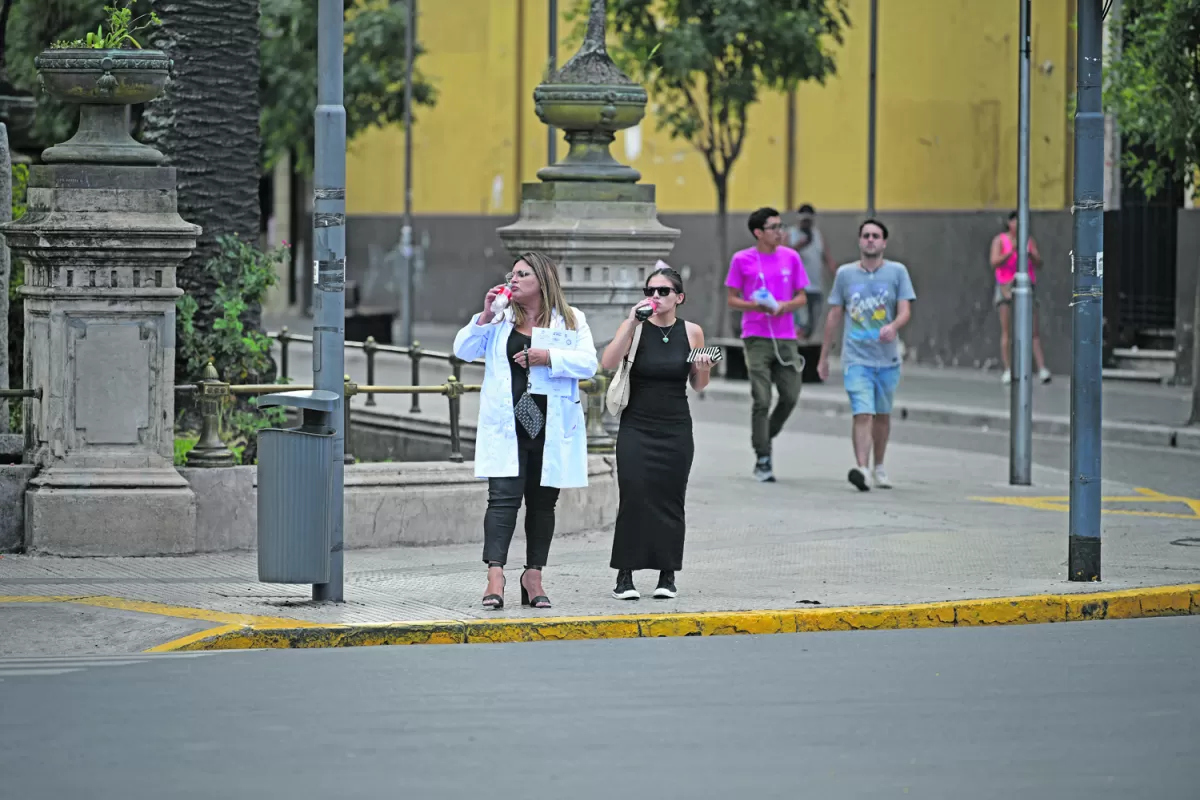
[{"x": 206, "y": 123}]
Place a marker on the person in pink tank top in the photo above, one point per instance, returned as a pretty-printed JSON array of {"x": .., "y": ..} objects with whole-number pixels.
[{"x": 1004, "y": 262}]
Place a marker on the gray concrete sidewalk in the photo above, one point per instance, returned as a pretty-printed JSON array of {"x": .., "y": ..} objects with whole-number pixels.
[{"x": 952, "y": 529}]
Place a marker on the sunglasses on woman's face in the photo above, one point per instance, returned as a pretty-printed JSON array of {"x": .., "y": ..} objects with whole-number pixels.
[{"x": 661, "y": 291}]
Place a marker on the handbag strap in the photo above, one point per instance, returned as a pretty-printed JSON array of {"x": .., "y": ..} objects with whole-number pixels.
[{"x": 633, "y": 346}]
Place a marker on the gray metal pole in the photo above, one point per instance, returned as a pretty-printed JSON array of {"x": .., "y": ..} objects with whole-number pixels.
[
  {"x": 5, "y": 266},
  {"x": 551, "y": 131},
  {"x": 871, "y": 85},
  {"x": 406, "y": 233},
  {"x": 1087, "y": 266},
  {"x": 1020, "y": 462},
  {"x": 329, "y": 269}
]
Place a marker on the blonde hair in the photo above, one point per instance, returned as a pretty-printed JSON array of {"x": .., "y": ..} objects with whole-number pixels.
[{"x": 553, "y": 297}]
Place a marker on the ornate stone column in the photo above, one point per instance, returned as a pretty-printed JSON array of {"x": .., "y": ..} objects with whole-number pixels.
[
  {"x": 588, "y": 211},
  {"x": 101, "y": 240}
]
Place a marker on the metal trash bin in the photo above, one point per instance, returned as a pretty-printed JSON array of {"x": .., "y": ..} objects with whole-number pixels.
[{"x": 295, "y": 490}]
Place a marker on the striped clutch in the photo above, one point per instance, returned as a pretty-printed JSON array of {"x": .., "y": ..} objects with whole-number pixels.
[{"x": 715, "y": 352}]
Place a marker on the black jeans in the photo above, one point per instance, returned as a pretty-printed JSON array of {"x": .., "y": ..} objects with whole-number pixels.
[{"x": 504, "y": 501}]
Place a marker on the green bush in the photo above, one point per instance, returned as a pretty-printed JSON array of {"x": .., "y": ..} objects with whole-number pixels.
[
  {"x": 242, "y": 275},
  {"x": 183, "y": 446}
]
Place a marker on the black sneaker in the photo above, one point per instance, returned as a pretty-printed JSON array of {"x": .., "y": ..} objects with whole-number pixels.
[
  {"x": 625, "y": 589},
  {"x": 762, "y": 470},
  {"x": 666, "y": 585},
  {"x": 858, "y": 476}
]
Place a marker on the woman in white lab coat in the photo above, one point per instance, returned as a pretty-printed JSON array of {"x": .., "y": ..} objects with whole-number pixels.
[{"x": 528, "y": 445}]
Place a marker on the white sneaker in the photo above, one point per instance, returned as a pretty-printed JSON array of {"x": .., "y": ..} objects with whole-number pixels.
[
  {"x": 1044, "y": 375},
  {"x": 1006, "y": 378},
  {"x": 858, "y": 477},
  {"x": 881, "y": 478}
]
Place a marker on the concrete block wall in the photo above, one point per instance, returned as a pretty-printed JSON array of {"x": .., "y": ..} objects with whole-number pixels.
[{"x": 393, "y": 504}]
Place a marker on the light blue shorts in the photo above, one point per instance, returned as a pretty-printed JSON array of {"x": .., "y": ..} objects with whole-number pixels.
[{"x": 871, "y": 389}]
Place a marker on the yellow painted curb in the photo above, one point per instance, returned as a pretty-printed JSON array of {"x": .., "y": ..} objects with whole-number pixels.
[{"x": 1158, "y": 601}]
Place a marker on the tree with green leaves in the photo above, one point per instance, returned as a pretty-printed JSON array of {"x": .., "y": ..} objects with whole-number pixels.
[
  {"x": 1153, "y": 89},
  {"x": 704, "y": 63},
  {"x": 374, "y": 73}
]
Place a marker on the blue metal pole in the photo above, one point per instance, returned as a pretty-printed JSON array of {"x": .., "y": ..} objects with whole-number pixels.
[
  {"x": 1087, "y": 266},
  {"x": 329, "y": 269}
]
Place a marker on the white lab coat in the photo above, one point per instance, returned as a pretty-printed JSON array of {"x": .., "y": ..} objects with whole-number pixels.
[{"x": 564, "y": 459}]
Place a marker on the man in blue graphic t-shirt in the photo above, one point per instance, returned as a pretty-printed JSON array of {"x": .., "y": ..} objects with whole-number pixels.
[{"x": 874, "y": 297}]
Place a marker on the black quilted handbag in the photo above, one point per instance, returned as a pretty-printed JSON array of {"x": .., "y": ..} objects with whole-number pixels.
[{"x": 526, "y": 410}]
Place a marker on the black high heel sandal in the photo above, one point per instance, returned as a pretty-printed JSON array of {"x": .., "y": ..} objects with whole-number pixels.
[
  {"x": 540, "y": 601},
  {"x": 495, "y": 602}
]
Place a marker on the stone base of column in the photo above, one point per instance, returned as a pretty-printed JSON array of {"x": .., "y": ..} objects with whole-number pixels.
[
  {"x": 110, "y": 512},
  {"x": 605, "y": 237}
]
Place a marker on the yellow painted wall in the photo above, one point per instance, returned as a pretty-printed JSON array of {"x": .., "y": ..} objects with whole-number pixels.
[{"x": 947, "y": 117}]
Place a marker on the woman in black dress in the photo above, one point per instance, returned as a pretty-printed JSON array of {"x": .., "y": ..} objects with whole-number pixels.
[{"x": 654, "y": 445}]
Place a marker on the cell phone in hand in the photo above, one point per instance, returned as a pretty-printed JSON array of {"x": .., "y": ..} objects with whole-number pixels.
[{"x": 715, "y": 352}]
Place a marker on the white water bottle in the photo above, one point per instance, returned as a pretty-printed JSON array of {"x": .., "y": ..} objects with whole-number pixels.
[
  {"x": 764, "y": 297},
  {"x": 501, "y": 300}
]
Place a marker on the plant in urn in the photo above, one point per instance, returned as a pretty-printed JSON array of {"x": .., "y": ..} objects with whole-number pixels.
[{"x": 104, "y": 73}]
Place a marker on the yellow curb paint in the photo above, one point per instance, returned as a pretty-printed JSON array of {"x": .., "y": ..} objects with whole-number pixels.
[
  {"x": 183, "y": 612},
  {"x": 1144, "y": 496},
  {"x": 182, "y": 642},
  {"x": 552, "y": 629},
  {"x": 239, "y": 637},
  {"x": 1036, "y": 609},
  {"x": 224, "y": 620}
]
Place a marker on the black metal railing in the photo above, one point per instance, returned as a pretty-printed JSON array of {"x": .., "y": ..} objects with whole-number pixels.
[
  {"x": 416, "y": 354},
  {"x": 212, "y": 394}
]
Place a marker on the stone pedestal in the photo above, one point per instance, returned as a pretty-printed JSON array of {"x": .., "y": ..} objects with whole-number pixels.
[
  {"x": 605, "y": 238},
  {"x": 101, "y": 244}
]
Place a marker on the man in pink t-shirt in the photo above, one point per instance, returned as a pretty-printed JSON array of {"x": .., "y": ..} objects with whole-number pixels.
[{"x": 766, "y": 284}]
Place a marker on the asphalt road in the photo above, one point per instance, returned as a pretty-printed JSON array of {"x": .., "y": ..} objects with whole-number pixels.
[
  {"x": 1081, "y": 710},
  {"x": 1165, "y": 470}
]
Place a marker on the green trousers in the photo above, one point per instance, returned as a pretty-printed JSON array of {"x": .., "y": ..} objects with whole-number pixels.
[{"x": 765, "y": 369}]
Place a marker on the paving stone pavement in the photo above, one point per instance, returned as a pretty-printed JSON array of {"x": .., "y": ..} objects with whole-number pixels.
[{"x": 808, "y": 539}]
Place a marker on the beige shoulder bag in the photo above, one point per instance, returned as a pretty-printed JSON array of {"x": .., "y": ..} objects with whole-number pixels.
[{"x": 618, "y": 390}]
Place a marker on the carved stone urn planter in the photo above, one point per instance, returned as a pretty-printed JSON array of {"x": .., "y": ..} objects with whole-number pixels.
[
  {"x": 103, "y": 83},
  {"x": 590, "y": 99}
]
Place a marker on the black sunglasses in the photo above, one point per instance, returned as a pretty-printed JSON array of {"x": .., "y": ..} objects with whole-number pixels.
[{"x": 661, "y": 291}]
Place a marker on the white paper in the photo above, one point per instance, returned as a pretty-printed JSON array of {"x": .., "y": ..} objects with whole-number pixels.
[
  {"x": 540, "y": 381},
  {"x": 554, "y": 339}
]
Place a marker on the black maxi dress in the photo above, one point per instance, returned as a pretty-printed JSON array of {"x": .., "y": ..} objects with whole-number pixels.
[{"x": 654, "y": 454}]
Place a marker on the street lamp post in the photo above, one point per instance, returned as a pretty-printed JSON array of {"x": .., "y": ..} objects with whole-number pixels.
[
  {"x": 872, "y": 82},
  {"x": 551, "y": 131},
  {"x": 406, "y": 233},
  {"x": 329, "y": 269},
  {"x": 1087, "y": 299},
  {"x": 1021, "y": 426}
]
